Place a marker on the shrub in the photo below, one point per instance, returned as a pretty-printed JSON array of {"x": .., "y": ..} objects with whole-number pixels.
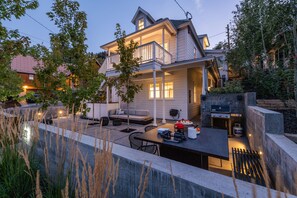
[{"x": 230, "y": 87}]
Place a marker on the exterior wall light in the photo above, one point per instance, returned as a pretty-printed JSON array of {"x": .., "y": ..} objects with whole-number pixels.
[{"x": 250, "y": 135}]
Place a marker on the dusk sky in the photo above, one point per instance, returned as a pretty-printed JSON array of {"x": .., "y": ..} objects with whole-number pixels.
[{"x": 209, "y": 17}]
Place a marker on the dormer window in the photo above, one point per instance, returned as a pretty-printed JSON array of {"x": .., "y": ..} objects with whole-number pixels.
[{"x": 141, "y": 24}]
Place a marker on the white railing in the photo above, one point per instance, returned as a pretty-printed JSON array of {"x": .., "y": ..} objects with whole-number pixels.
[{"x": 147, "y": 53}]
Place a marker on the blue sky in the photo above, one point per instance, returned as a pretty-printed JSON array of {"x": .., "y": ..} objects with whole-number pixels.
[{"x": 209, "y": 17}]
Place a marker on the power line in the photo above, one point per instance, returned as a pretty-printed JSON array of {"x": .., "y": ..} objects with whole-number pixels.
[
  {"x": 30, "y": 35},
  {"x": 217, "y": 34},
  {"x": 40, "y": 23}
]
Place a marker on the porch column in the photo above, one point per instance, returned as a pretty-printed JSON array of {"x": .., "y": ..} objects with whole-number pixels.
[
  {"x": 107, "y": 95},
  {"x": 163, "y": 94},
  {"x": 155, "y": 100},
  {"x": 204, "y": 80},
  {"x": 163, "y": 44}
]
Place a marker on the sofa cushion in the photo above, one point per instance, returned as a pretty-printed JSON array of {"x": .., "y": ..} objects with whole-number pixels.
[
  {"x": 141, "y": 112},
  {"x": 112, "y": 112},
  {"x": 131, "y": 111},
  {"x": 133, "y": 117}
]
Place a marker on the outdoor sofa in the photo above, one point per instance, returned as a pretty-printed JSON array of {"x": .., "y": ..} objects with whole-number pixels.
[{"x": 136, "y": 116}]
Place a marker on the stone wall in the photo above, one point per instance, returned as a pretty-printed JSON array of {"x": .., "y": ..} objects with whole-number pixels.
[
  {"x": 189, "y": 181},
  {"x": 265, "y": 131},
  {"x": 236, "y": 105}
]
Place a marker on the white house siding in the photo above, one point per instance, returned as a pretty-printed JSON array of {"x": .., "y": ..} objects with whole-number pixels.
[
  {"x": 194, "y": 78},
  {"x": 190, "y": 48},
  {"x": 182, "y": 44},
  {"x": 142, "y": 101},
  {"x": 172, "y": 47}
]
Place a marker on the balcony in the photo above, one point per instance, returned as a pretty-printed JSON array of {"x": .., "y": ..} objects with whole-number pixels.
[{"x": 148, "y": 52}]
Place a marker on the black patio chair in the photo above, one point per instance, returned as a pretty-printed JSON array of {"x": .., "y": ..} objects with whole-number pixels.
[
  {"x": 139, "y": 144},
  {"x": 149, "y": 127}
]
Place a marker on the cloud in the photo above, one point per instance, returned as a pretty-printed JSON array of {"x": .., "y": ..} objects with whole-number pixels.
[{"x": 198, "y": 4}]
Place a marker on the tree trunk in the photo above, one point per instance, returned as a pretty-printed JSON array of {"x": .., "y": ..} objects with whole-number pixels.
[
  {"x": 128, "y": 118},
  {"x": 93, "y": 111}
]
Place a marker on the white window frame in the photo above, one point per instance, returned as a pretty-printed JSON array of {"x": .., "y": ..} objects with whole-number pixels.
[
  {"x": 151, "y": 91},
  {"x": 138, "y": 24},
  {"x": 31, "y": 76},
  {"x": 169, "y": 96}
]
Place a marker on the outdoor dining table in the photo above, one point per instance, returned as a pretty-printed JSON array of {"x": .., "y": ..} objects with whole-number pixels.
[{"x": 210, "y": 142}]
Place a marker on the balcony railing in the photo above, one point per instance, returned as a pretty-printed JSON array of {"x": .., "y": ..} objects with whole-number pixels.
[{"x": 147, "y": 53}]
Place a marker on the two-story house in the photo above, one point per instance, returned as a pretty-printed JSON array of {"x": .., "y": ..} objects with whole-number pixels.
[
  {"x": 24, "y": 66},
  {"x": 175, "y": 68}
]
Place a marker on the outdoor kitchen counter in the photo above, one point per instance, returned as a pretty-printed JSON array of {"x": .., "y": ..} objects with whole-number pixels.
[{"x": 211, "y": 142}]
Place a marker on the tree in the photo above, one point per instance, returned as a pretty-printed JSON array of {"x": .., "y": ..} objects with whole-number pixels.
[
  {"x": 68, "y": 59},
  {"x": 11, "y": 45},
  {"x": 127, "y": 68},
  {"x": 261, "y": 31}
]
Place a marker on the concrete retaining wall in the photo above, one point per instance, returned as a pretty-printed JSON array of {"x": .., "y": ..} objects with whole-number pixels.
[
  {"x": 189, "y": 181},
  {"x": 265, "y": 130}
]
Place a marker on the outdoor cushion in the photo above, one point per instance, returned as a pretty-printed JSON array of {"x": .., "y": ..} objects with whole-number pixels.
[
  {"x": 141, "y": 112},
  {"x": 131, "y": 112},
  {"x": 112, "y": 112},
  {"x": 133, "y": 117}
]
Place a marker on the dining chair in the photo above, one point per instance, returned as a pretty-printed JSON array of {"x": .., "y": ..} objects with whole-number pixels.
[
  {"x": 139, "y": 144},
  {"x": 149, "y": 127}
]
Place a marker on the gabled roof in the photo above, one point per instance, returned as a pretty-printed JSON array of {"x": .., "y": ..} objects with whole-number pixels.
[
  {"x": 24, "y": 64},
  {"x": 140, "y": 10},
  {"x": 177, "y": 23}
]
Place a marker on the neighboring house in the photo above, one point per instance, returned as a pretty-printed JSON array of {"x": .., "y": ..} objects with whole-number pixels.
[
  {"x": 222, "y": 64},
  {"x": 175, "y": 68},
  {"x": 24, "y": 65}
]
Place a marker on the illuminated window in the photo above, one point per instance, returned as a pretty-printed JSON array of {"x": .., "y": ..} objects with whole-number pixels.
[
  {"x": 168, "y": 90},
  {"x": 140, "y": 24},
  {"x": 195, "y": 94},
  {"x": 31, "y": 77},
  {"x": 158, "y": 91}
]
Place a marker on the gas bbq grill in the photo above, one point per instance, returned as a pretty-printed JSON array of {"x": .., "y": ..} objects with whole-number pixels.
[{"x": 221, "y": 117}]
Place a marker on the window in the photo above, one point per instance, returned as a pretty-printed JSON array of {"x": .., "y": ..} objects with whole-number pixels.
[
  {"x": 195, "y": 52},
  {"x": 140, "y": 24},
  {"x": 31, "y": 77},
  {"x": 168, "y": 90},
  {"x": 158, "y": 91},
  {"x": 195, "y": 94}
]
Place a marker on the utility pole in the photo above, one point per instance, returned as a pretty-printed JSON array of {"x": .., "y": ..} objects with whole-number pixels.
[{"x": 228, "y": 36}]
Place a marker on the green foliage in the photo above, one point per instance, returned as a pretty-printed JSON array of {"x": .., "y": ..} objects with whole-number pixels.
[
  {"x": 16, "y": 179},
  {"x": 11, "y": 44},
  {"x": 263, "y": 52},
  {"x": 230, "y": 87},
  {"x": 271, "y": 84},
  {"x": 68, "y": 60},
  {"x": 127, "y": 68}
]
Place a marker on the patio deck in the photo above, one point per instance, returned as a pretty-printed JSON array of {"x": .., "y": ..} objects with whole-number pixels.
[{"x": 117, "y": 137}]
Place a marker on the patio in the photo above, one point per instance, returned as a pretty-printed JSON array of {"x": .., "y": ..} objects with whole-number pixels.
[{"x": 87, "y": 127}]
